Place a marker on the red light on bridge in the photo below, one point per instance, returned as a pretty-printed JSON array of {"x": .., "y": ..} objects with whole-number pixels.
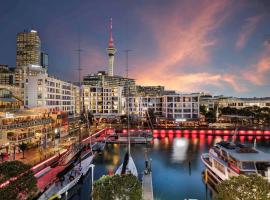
[
  {"x": 178, "y": 135},
  {"x": 178, "y": 131},
  {"x": 267, "y": 132},
  {"x": 225, "y": 138},
  {"x": 218, "y": 131},
  {"x": 155, "y": 135},
  {"x": 258, "y": 132},
  {"x": 250, "y": 132},
  {"x": 194, "y": 131},
  {"x": 250, "y": 138},
  {"x": 155, "y": 131},
  {"x": 242, "y": 132},
  {"x": 209, "y": 131},
  {"x": 202, "y": 131},
  {"x": 226, "y": 132}
]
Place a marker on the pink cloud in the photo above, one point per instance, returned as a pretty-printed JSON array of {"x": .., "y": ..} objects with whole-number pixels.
[
  {"x": 246, "y": 31},
  {"x": 259, "y": 73},
  {"x": 181, "y": 44}
]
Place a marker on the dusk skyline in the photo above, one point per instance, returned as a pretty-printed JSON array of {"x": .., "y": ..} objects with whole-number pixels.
[{"x": 221, "y": 47}]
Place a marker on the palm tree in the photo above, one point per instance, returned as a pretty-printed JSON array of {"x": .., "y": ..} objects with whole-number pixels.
[{"x": 23, "y": 147}]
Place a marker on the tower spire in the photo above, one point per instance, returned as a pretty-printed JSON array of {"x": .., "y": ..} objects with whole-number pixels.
[
  {"x": 111, "y": 51},
  {"x": 111, "y": 45}
]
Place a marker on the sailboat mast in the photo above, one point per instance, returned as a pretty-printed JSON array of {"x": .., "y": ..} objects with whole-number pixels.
[{"x": 127, "y": 51}]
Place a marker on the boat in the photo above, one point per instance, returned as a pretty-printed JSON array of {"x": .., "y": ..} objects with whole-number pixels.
[
  {"x": 68, "y": 180},
  {"x": 135, "y": 137},
  {"x": 228, "y": 159}
]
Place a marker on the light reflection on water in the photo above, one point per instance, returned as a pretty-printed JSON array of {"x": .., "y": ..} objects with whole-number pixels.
[{"x": 172, "y": 177}]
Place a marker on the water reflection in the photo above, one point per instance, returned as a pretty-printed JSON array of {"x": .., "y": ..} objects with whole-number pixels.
[
  {"x": 180, "y": 146},
  {"x": 177, "y": 168}
]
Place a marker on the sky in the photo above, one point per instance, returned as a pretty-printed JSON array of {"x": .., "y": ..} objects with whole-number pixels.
[{"x": 216, "y": 46}]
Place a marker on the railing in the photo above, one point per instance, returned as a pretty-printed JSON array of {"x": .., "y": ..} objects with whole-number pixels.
[{"x": 26, "y": 124}]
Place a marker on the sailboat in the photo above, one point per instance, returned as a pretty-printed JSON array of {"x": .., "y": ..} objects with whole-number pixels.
[{"x": 128, "y": 166}]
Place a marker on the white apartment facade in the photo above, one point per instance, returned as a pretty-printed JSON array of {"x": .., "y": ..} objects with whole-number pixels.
[
  {"x": 102, "y": 101},
  {"x": 181, "y": 107},
  {"x": 52, "y": 94},
  {"x": 138, "y": 105}
]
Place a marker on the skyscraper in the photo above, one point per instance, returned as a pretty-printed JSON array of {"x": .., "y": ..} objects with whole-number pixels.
[
  {"x": 111, "y": 51},
  {"x": 28, "y": 48}
]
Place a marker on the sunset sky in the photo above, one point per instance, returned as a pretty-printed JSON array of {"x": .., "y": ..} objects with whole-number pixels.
[{"x": 216, "y": 46}]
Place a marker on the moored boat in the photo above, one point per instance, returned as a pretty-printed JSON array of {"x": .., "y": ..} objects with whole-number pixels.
[{"x": 227, "y": 159}]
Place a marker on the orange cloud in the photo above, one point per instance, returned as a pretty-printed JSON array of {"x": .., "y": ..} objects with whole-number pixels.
[
  {"x": 181, "y": 44},
  {"x": 246, "y": 31},
  {"x": 259, "y": 73}
]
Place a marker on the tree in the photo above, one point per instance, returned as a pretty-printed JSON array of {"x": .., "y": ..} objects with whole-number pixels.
[
  {"x": 23, "y": 147},
  {"x": 118, "y": 187},
  {"x": 251, "y": 187},
  {"x": 22, "y": 182}
]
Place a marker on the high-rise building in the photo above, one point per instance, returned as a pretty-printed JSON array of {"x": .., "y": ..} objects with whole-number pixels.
[
  {"x": 6, "y": 75},
  {"x": 111, "y": 51},
  {"x": 44, "y": 60},
  {"x": 28, "y": 48}
]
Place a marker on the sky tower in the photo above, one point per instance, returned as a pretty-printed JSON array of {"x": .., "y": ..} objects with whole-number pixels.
[{"x": 111, "y": 51}]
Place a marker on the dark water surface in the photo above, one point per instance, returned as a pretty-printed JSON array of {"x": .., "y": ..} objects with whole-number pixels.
[{"x": 172, "y": 177}]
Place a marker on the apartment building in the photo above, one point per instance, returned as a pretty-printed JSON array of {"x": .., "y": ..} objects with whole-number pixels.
[
  {"x": 181, "y": 107},
  {"x": 102, "y": 101}
]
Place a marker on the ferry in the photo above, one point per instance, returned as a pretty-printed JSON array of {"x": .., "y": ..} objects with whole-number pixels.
[{"x": 227, "y": 159}]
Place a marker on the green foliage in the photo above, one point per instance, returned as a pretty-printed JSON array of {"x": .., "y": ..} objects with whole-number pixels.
[
  {"x": 252, "y": 187},
  {"x": 125, "y": 187},
  {"x": 260, "y": 115},
  {"x": 24, "y": 187}
]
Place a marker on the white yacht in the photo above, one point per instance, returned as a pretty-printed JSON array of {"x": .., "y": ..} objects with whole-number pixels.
[{"x": 227, "y": 159}]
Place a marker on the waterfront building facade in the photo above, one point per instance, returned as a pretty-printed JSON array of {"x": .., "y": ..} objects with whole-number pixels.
[
  {"x": 140, "y": 105},
  {"x": 102, "y": 101},
  {"x": 181, "y": 107},
  {"x": 52, "y": 94}
]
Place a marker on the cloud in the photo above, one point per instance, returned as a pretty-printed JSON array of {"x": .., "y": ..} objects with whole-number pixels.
[
  {"x": 246, "y": 31},
  {"x": 185, "y": 38}
]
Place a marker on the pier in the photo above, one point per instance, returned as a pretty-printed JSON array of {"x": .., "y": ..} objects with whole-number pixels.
[{"x": 147, "y": 187}]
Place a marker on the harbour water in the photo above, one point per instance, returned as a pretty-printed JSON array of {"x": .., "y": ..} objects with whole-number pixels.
[{"x": 176, "y": 165}]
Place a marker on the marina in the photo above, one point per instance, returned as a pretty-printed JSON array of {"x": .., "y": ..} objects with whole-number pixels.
[{"x": 171, "y": 155}]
